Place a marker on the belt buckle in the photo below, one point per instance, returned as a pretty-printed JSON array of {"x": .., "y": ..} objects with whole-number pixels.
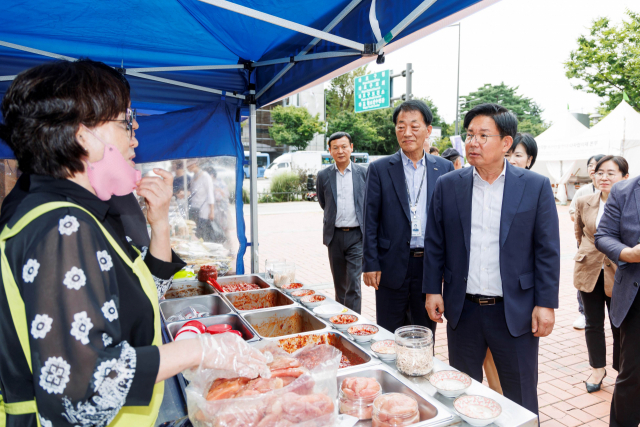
[
  {"x": 487, "y": 301},
  {"x": 418, "y": 254},
  {"x": 346, "y": 229}
]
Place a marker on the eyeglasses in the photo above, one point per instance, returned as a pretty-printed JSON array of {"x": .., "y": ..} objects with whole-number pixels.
[
  {"x": 129, "y": 116},
  {"x": 609, "y": 175},
  {"x": 480, "y": 139}
]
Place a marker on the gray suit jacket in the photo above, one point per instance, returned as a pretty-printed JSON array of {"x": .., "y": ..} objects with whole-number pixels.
[
  {"x": 327, "y": 196},
  {"x": 620, "y": 228}
]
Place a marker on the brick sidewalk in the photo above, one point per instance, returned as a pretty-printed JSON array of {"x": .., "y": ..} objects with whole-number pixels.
[{"x": 563, "y": 360}]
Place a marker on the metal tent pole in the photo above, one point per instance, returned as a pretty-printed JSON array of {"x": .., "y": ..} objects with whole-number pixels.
[{"x": 253, "y": 185}]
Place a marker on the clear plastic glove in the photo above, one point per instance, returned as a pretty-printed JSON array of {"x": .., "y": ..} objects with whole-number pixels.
[{"x": 229, "y": 352}]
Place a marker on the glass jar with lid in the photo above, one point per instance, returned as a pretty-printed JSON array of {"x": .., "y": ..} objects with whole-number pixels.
[{"x": 414, "y": 350}]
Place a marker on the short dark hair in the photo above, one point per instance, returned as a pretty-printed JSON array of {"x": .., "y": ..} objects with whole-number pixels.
[
  {"x": 414, "y": 105},
  {"x": 620, "y": 161},
  {"x": 597, "y": 158},
  {"x": 339, "y": 135},
  {"x": 451, "y": 154},
  {"x": 45, "y": 105},
  {"x": 433, "y": 150},
  {"x": 529, "y": 144},
  {"x": 505, "y": 120}
]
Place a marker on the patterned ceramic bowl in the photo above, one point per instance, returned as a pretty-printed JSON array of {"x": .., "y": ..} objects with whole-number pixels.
[
  {"x": 477, "y": 410},
  {"x": 384, "y": 349},
  {"x": 363, "y": 333},
  {"x": 450, "y": 383},
  {"x": 342, "y": 322},
  {"x": 312, "y": 301}
]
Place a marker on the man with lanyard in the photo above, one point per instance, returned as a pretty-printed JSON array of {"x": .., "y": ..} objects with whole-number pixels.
[{"x": 399, "y": 188}]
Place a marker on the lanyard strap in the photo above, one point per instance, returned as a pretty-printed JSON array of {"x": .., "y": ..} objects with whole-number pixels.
[{"x": 424, "y": 173}]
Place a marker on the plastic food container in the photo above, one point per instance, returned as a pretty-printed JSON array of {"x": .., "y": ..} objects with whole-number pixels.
[
  {"x": 414, "y": 350},
  {"x": 395, "y": 409},
  {"x": 359, "y": 407},
  {"x": 283, "y": 274},
  {"x": 193, "y": 311},
  {"x": 207, "y": 272},
  {"x": 218, "y": 329},
  {"x": 189, "y": 330}
]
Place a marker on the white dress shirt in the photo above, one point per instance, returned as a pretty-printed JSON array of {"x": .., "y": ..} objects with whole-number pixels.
[
  {"x": 202, "y": 194},
  {"x": 484, "y": 255},
  {"x": 346, "y": 208},
  {"x": 413, "y": 178}
]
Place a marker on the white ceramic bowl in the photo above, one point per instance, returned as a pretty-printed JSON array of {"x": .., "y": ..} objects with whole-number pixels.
[
  {"x": 450, "y": 383},
  {"x": 477, "y": 410},
  {"x": 343, "y": 326},
  {"x": 372, "y": 329},
  {"x": 307, "y": 301},
  {"x": 306, "y": 291},
  {"x": 387, "y": 357},
  {"x": 327, "y": 311},
  {"x": 288, "y": 291}
]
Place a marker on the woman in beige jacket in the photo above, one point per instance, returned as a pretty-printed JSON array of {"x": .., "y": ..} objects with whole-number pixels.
[{"x": 593, "y": 273}]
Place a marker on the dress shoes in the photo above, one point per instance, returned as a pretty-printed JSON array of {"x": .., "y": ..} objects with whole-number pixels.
[{"x": 592, "y": 388}]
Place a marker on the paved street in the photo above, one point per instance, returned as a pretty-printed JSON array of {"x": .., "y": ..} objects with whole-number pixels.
[{"x": 294, "y": 231}]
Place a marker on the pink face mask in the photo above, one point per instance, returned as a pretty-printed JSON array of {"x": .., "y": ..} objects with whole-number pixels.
[{"x": 112, "y": 175}]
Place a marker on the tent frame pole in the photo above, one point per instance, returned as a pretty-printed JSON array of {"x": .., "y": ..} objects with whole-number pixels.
[
  {"x": 253, "y": 186},
  {"x": 187, "y": 68},
  {"x": 311, "y": 44},
  {"x": 308, "y": 57},
  {"x": 426, "y": 4},
  {"x": 223, "y": 4}
]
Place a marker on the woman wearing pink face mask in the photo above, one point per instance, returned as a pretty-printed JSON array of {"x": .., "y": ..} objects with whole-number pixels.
[{"x": 80, "y": 339}]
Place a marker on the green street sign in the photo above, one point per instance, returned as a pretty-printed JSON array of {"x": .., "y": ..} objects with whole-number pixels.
[{"x": 372, "y": 92}]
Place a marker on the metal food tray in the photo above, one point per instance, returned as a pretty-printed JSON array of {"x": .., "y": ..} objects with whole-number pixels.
[
  {"x": 275, "y": 323},
  {"x": 244, "y": 302},
  {"x": 247, "y": 278},
  {"x": 432, "y": 412},
  {"x": 236, "y": 322},
  {"x": 188, "y": 288},
  {"x": 344, "y": 344},
  {"x": 214, "y": 303}
]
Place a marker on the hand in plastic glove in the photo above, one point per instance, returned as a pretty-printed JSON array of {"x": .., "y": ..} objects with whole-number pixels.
[{"x": 231, "y": 353}]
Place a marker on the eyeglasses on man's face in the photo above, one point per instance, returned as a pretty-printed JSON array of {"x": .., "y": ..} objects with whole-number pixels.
[
  {"x": 481, "y": 139},
  {"x": 129, "y": 116}
]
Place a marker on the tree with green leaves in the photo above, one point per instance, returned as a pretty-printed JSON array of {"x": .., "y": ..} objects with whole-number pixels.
[
  {"x": 341, "y": 93},
  {"x": 364, "y": 136},
  {"x": 607, "y": 61},
  {"x": 294, "y": 126},
  {"x": 525, "y": 109}
]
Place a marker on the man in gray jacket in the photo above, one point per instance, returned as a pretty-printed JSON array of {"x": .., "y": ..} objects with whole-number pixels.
[{"x": 341, "y": 195}]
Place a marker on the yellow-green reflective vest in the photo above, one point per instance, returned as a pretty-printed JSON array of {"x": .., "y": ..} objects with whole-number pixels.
[{"x": 129, "y": 416}]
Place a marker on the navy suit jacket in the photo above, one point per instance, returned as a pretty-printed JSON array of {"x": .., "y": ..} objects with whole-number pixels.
[
  {"x": 620, "y": 228},
  {"x": 529, "y": 245},
  {"x": 387, "y": 225}
]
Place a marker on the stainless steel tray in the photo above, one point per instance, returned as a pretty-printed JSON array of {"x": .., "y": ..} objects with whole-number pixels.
[
  {"x": 432, "y": 412},
  {"x": 236, "y": 322},
  {"x": 356, "y": 355},
  {"x": 215, "y": 304},
  {"x": 283, "y": 322},
  {"x": 258, "y": 300},
  {"x": 188, "y": 288},
  {"x": 247, "y": 278}
]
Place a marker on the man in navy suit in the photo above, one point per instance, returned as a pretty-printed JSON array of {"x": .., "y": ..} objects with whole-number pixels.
[
  {"x": 399, "y": 188},
  {"x": 618, "y": 237},
  {"x": 492, "y": 234}
]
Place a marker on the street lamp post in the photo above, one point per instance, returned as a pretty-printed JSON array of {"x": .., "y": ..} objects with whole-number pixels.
[{"x": 458, "y": 85}]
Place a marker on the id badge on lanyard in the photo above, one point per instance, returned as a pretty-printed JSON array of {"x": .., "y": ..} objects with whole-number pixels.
[{"x": 416, "y": 224}]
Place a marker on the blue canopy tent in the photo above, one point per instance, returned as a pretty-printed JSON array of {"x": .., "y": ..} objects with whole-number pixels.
[{"x": 217, "y": 59}]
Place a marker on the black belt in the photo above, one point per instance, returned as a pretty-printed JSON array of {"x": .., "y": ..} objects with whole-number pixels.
[
  {"x": 348, "y": 228},
  {"x": 484, "y": 300},
  {"x": 416, "y": 253}
]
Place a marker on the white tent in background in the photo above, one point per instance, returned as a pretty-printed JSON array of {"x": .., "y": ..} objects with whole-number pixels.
[
  {"x": 548, "y": 162},
  {"x": 617, "y": 134}
]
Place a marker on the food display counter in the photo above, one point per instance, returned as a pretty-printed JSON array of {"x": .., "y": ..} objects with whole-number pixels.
[{"x": 267, "y": 313}]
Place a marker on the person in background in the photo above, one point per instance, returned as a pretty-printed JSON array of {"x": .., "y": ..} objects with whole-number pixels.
[
  {"x": 432, "y": 150},
  {"x": 493, "y": 234},
  {"x": 581, "y": 322},
  {"x": 454, "y": 157},
  {"x": 523, "y": 151},
  {"x": 617, "y": 239},
  {"x": 593, "y": 273},
  {"x": 201, "y": 205},
  {"x": 340, "y": 190},
  {"x": 399, "y": 189},
  {"x": 221, "y": 206},
  {"x": 179, "y": 179}
]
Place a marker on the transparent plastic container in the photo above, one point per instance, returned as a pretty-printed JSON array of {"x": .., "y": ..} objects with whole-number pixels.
[
  {"x": 414, "y": 350},
  {"x": 268, "y": 266},
  {"x": 361, "y": 408},
  {"x": 284, "y": 273},
  {"x": 395, "y": 410}
]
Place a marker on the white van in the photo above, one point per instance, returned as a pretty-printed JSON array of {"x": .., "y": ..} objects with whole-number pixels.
[{"x": 310, "y": 161}]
